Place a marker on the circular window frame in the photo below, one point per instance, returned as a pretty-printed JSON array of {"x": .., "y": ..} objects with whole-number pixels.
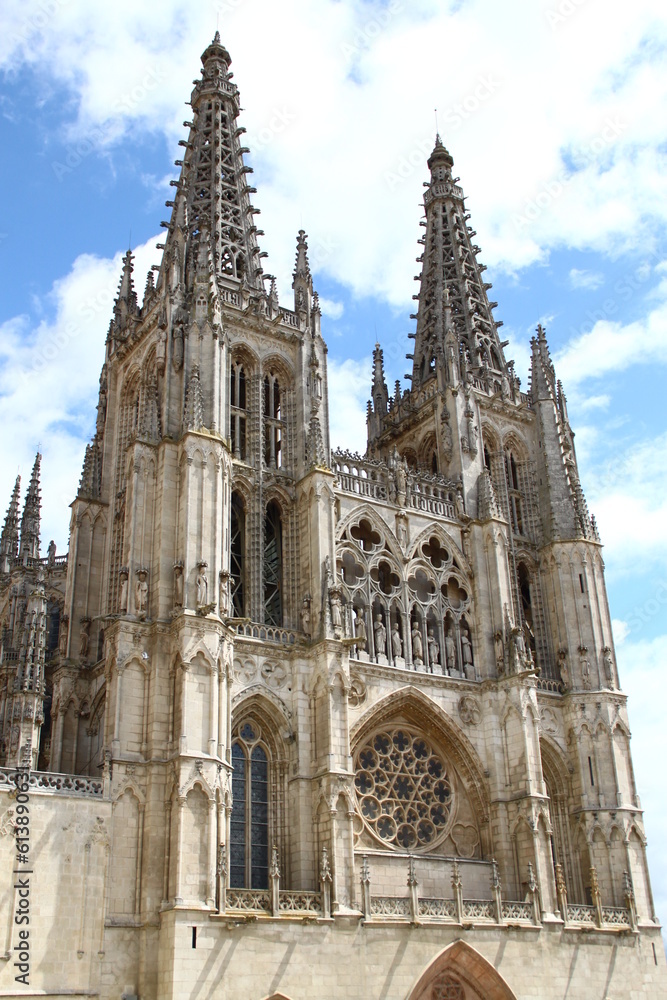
[{"x": 431, "y": 769}]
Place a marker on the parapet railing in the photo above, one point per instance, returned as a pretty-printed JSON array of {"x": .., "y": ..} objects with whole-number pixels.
[
  {"x": 413, "y": 908},
  {"x": 422, "y": 491},
  {"x": 267, "y": 633},
  {"x": 67, "y": 784}
]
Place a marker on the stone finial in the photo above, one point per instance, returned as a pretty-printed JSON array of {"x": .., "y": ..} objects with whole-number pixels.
[
  {"x": 30, "y": 520},
  {"x": 9, "y": 539}
]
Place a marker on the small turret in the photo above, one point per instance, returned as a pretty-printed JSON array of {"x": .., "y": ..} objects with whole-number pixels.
[
  {"x": 30, "y": 521},
  {"x": 303, "y": 281},
  {"x": 379, "y": 391},
  {"x": 125, "y": 310},
  {"x": 9, "y": 539}
]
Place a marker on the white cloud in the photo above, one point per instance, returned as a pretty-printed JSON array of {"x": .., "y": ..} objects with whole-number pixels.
[
  {"x": 644, "y": 679},
  {"x": 620, "y": 629},
  {"x": 349, "y": 389},
  {"x": 588, "y": 280},
  {"x": 330, "y": 309},
  {"x": 594, "y": 111},
  {"x": 612, "y": 346},
  {"x": 628, "y": 495},
  {"x": 595, "y": 403},
  {"x": 49, "y": 381}
]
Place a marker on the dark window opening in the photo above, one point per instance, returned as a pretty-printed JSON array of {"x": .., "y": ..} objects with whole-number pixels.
[
  {"x": 237, "y": 556},
  {"x": 249, "y": 828},
  {"x": 273, "y": 568}
]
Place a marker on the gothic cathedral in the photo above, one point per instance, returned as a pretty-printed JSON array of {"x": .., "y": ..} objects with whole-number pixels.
[{"x": 293, "y": 723}]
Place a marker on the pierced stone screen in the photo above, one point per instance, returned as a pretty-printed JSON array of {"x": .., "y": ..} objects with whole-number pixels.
[{"x": 404, "y": 793}]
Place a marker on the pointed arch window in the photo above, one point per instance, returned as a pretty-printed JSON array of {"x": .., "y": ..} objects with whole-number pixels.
[
  {"x": 237, "y": 556},
  {"x": 526, "y": 601},
  {"x": 514, "y": 493},
  {"x": 249, "y": 827},
  {"x": 273, "y": 422},
  {"x": 273, "y": 566},
  {"x": 238, "y": 411}
]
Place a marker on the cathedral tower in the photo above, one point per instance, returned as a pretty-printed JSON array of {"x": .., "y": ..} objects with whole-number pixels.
[{"x": 301, "y": 723}]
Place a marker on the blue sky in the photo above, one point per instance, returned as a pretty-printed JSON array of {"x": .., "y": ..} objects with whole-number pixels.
[{"x": 554, "y": 114}]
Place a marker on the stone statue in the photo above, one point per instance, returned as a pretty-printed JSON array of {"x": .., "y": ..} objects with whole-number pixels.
[
  {"x": 417, "y": 646},
  {"x": 518, "y": 649},
  {"x": 306, "y": 626},
  {"x": 402, "y": 533},
  {"x": 401, "y": 480},
  {"x": 51, "y": 555},
  {"x": 360, "y": 629},
  {"x": 466, "y": 651},
  {"x": 161, "y": 351},
  {"x": 450, "y": 652},
  {"x": 223, "y": 586},
  {"x": 433, "y": 650},
  {"x": 141, "y": 592},
  {"x": 202, "y": 586},
  {"x": 565, "y": 678},
  {"x": 585, "y": 665},
  {"x": 499, "y": 649},
  {"x": 123, "y": 589},
  {"x": 84, "y": 638},
  {"x": 396, "y": 642},
  {"x": 336, "y": 613},
  {"x": 608, "y": 662},
  {"x": 380, "y": 636},
  {"x": 178, "y": 585},
  {"x": 63, "y": 635}
]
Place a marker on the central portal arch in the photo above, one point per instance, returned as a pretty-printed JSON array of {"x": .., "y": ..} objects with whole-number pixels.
[{"x": 461, "y": 973}]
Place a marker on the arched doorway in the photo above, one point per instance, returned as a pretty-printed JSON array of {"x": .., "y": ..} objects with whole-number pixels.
[{"x": 461, "y": 973}]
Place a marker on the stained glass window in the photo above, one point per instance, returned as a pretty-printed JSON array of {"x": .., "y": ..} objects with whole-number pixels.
[{"x": 249, "y": 828}]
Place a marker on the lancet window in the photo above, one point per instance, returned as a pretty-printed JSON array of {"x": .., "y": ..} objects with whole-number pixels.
[
  {"x": 237, "y": 556},
  {"x": 273, "y": 422},
  {"x": 249, "y": 827},
  {"x": 273, "y": 565},
  {"x": 514, "y": 493},
  {"x": 238, "y": 410}
]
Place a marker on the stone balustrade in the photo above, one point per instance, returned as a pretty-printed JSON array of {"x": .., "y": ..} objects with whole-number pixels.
[{"x": 50, "y": 781}]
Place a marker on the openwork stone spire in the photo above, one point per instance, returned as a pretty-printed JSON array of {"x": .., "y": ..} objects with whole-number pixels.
[
  {"x": 213, "y": 192},
  {"x": 9, "y": 539},
  {"x": 29, "y": 547},
  {"x": 454, "y": 311},
  {"x": 569, "y": 514}
]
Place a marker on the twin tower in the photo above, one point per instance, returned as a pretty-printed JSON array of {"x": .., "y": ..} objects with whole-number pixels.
[{"x": 303, "y": 723}]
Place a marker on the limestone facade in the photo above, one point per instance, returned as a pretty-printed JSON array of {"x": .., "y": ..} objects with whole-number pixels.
[{"x": 300, "y": 723}]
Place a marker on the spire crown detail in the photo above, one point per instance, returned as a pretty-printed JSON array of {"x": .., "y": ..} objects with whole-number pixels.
[{"x": 30, "y": 520}]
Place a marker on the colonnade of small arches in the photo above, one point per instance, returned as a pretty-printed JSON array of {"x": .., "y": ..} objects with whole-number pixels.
[{"x": 413, "y": 611}]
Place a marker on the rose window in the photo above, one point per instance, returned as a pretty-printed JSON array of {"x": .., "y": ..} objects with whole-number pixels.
[{"x": 403, "y": 790}]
